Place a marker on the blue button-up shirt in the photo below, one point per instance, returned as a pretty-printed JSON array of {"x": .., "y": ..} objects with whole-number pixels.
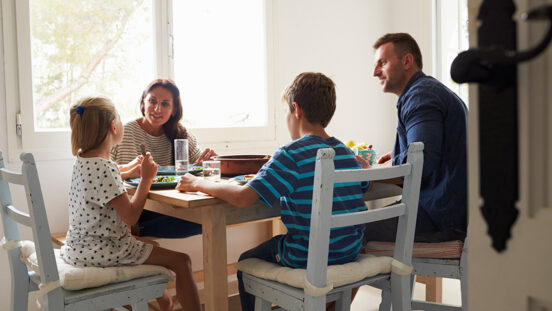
[{"x": 431, "y": 113}]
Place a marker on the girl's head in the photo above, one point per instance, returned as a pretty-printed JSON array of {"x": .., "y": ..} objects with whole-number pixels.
[
  {"x": 91, "y": 118},
  {"x": 160, "y": 104}
]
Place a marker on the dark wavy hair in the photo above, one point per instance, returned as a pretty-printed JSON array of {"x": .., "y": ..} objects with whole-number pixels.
[{"x": 172, "y": 128}]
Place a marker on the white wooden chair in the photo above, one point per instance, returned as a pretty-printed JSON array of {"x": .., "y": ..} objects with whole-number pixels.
[
  {"x": 446, "y": 268},
  {"x": 135, "y": 292},
  {"x": 317, "y": 292},
  {"x": 452, "y": 268}
]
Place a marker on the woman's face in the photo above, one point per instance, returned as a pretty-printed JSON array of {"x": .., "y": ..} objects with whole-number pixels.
[{"x": 158, "y": 106}]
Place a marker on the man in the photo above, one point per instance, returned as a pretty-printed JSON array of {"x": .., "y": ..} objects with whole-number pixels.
[{"x": 431, "y": 113}]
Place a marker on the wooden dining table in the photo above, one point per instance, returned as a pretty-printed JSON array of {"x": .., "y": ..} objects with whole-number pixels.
[{"x": 214, "y": 215}]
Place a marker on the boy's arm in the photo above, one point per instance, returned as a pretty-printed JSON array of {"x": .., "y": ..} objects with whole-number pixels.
[{"x": 239, "y": 196}]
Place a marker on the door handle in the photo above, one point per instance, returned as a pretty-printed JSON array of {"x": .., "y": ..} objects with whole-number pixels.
[{"x": 481, "y": 65}]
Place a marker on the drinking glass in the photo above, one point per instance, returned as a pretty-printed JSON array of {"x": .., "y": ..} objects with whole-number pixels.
[
  {"x": 181, "y": 156},
  {"x": 211, "y": 170}
]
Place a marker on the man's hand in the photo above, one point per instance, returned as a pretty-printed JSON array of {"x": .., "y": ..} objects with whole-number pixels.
[{"x": 385, "y": 158}]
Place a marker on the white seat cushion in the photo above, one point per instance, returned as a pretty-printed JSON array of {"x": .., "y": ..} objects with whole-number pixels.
[
  {"x": 337, "y": 275},
  {"x": 75, "y": 278}
]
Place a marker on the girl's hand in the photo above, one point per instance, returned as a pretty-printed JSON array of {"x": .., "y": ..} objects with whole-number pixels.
[
  {"x": 148, "y": 168},
  {"x": 206, "y": 155},
  {"x": 187, "y": 183}
]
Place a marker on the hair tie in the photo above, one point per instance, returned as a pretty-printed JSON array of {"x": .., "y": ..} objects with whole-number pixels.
[{"x": 80, "y": 109}]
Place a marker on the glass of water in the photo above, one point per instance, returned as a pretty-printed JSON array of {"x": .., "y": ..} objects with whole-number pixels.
[
  {"x": 211, "y": 170},
  {"x": 181, "y": 156}
]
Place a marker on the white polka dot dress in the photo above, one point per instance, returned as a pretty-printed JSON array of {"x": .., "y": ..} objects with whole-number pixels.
[{"x": 97, "y": 236}]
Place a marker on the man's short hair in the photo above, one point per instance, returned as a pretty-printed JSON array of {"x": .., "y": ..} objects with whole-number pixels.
[
  {"x": 403, "y": 44},
  {"x": 315, "y": 94}
]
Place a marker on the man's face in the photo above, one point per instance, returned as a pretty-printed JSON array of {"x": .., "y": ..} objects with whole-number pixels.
[{"x": 388, "y": 68}]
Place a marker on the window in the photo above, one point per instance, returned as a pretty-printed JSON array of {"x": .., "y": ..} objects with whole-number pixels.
[
  {"x": 215, "y": 51},
  {"x": 225, "y": 41},
  {"x": 220, "y": 64},
  {"x": 451, "y": 37},
  {"x": 80, "y": 48}
]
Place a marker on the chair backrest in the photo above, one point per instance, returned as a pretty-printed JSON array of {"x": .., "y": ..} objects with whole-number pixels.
[
  {"x": 322, "y": 220},
  {"x": 36, "y": 219}
]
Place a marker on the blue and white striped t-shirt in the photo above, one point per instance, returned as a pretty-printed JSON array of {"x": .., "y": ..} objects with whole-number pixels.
[{"x": 289, "y": 176}]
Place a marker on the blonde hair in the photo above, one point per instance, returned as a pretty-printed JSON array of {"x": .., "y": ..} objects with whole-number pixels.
[{"x": 90, "y": 120}]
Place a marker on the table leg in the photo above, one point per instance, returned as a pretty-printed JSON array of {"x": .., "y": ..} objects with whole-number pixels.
[
  {"x": 214, "y": 258},
  {"x": 434, "y": 287},
  {"x": 276, "y": 227}
]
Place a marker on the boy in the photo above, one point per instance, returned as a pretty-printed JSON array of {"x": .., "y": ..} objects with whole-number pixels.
[{"x": 289, "y": 176}]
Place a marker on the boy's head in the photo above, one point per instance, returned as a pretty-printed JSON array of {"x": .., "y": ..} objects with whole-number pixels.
[
  {"x": 90, "y": 120},
  {"x": 314, "y": 93}
]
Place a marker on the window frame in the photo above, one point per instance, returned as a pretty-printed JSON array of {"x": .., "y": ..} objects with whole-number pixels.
[
  {"x": 439, "y": 50},
  {"x": 55, "y": 144}
]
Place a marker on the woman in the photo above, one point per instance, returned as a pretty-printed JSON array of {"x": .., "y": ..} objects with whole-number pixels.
[{"x": 157, "y": 129}]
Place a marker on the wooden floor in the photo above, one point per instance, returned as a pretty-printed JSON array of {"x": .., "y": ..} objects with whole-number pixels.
[
  {"x": 368, "y": 298},
  {"x": 233, "y": 296}
]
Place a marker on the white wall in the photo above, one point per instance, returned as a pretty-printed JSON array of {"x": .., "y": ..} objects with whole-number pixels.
[{"x": 333, "y": 37}]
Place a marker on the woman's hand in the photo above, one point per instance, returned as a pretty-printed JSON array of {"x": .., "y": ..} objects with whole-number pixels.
[
  {"x": 187, "y": 183},
  {"x": 134, "y": 172},
  {"x": 132, "y": 164},
  {"x": 137, "y": 161},
  {"x": 131, "y": 169},
  {"x": 206, "y": 155}
]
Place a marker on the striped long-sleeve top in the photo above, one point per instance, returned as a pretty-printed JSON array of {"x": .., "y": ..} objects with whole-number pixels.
[
  {"x": 160, "y": 147},
  {"x": 289, "y": 176}
]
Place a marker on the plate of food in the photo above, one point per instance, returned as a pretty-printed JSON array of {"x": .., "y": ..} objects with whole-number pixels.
[
  {"x": 169, "y": 170},
  {"x": 159, "y": 182},
  {"x": 243, "y": 179}
]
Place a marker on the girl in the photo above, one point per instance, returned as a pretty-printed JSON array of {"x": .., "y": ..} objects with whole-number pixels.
[{"x": 100, "y": 209}]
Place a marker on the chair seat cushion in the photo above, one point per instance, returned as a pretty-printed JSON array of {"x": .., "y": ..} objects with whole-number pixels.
[
  {"x": 448, "y": 249},
  {"x": 337, "y": 275},
  {"x": 75, "y": 278}
]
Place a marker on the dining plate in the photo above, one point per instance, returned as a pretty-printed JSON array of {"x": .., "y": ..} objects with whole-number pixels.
[
  {"x": 169, "y": 170},
  {"x": 160, "y": 182},
  {"x": 242, "y": 179}
]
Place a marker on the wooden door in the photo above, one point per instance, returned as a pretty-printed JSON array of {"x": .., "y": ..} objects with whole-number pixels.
[{"x": 519, "y": 278}]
